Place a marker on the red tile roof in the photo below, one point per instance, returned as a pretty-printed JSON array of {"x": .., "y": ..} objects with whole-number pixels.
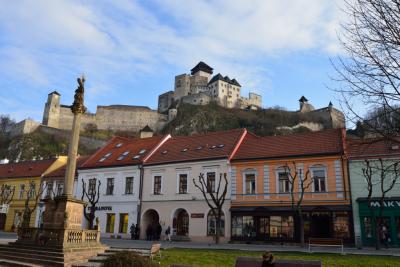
[
  {"x": 197, "y": 147},
  {"x": 120, "y": 151},
  {"x": 25, "y": 168},
  {"x": 60, "y": 172},
  {"x": 373, "y": 148},
  {"x": 305, "y": 144}
]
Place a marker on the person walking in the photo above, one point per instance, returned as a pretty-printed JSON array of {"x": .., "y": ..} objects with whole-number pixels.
[{"x": 168, "y": 233}]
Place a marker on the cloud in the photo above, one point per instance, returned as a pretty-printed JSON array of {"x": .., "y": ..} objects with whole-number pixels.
[{"x": 43, "y": 41}]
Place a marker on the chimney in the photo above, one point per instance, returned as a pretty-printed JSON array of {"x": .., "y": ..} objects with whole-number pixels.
[{"x": 146, "y": 132}]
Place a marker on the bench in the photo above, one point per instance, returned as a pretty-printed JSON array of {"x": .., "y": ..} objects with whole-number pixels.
[
  {"x": 324, "y": 242},
  {"x": 257, "y": 262}
]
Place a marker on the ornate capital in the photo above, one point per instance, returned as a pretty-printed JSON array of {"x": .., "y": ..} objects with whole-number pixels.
[{"x": 78, "y": 105}]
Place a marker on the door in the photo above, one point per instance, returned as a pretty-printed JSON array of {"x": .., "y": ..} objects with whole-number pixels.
[
  {"x": 182, "y": 223},
  {"x": 320, "y": 225},
  {"x": 3, "y": 218},
  {"x": 263, "y": 228}
]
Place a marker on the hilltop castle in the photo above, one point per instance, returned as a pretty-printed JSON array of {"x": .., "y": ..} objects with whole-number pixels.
[{"x": 199, "y": 88}]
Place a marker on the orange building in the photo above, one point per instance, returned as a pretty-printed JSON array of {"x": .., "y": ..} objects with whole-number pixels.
[{"x": 261, "y": 187}]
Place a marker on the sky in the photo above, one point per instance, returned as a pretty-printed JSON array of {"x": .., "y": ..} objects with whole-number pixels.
[{"x": 130, "y": 50}]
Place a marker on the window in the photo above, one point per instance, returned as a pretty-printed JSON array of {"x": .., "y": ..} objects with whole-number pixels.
[
  {"x": 283, "y": 178},
  {"x": 110, "y": 186},
  {"x": 210, "y": 182},
  {"x": 32, "y": 190},
  {"x": 237, "y": 225},
  {"x": 49, "y": 189},
  {"x": 319, "y": 177},
  {"x": 60, "y": 188},
  {"x": 250, "y": 183},
  {"x": 129, "y": 185},
  {"x": 17, "y": 218},
  {"x": 212, "y": 224},
  {"x": 249, "y": 229},
  {"x": 110, "y": 222},
  {"x": 123, "y": 223},
  {"x": 157, "y": 185},
  {"x": 92, "y": 186},
  {"x": 367, "y": 227},
  {"x": 341, "y": 225},
  {"x": 21, "y": 191},
  {"x": 281, "y": 227},
  {"x": 183, "y": 183}
]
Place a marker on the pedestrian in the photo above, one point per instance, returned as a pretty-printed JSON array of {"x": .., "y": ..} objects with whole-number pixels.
[
  {"x": 132, "y": 230},
  {"x": 158, "y": 231},
  {"x": 168, "y": 233},
  {"x": 268, "y": 260}
]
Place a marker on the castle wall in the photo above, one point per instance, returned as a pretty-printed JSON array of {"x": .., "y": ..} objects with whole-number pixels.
[
  {"x": 24, "y": 127},
  {"x": 128, "y": 118},
  {"x": 197, "y": 99},
  {"x": 66, "y": 117},
  {"x": 164, "y": 101}
]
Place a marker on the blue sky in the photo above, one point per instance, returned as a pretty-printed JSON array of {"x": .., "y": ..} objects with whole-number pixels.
[{"x": 130, "y": 51}]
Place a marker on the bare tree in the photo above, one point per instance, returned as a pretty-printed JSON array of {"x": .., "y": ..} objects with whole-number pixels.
[
  {"x": 31, "y": 201},
  {"x": 303, "y": 181},
  {"x": 92, "y": 194},
  {"x": 380, "y": 178},
  {"x": 369, "y": 72},
  {"x": 215, "y": 198},
  {"x": 6, "y": 194}
]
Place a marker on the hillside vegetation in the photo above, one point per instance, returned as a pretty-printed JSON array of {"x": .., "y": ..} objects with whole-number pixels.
[{"x": 209, "y": 118}]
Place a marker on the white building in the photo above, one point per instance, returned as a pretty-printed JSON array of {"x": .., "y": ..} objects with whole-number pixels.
[
  {"x": 169, "y": 195},
  {"x": 118, "y": 167}
]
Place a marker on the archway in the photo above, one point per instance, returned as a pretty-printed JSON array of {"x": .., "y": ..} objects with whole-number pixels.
[
  {"x": 150, "y": 221},
  {"x": 181, "y": 222}
]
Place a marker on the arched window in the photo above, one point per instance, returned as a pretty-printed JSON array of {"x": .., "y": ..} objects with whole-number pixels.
[{"x": 212, "y": 224}]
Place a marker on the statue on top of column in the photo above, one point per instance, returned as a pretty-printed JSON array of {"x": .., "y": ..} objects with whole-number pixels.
[{"x": 78, "y": 106}]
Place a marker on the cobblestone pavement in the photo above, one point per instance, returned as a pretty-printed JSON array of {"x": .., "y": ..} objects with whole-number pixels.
[{"x": 6, "y": 237}]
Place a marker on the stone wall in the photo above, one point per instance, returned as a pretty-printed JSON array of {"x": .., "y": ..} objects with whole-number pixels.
[
  {"x": 197, "y": 99},
  {"x": 66, "y": 117},
  {"x": 24, "y": 127}
]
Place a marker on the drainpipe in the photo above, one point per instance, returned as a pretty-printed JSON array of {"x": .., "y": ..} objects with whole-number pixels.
[{"x": 139, "y": 211}]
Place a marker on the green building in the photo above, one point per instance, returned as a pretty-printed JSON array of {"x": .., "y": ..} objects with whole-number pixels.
[{"x": 373, "y": 151}]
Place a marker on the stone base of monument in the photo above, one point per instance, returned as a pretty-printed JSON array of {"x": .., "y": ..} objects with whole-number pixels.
[{"x": 61, "y": 240}]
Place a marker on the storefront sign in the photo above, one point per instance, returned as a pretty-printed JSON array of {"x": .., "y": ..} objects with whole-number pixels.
[
  {"x": 197, "y": 215},
  {"x": 386, "y": 204},
  {"x": 102, "y": 208}
]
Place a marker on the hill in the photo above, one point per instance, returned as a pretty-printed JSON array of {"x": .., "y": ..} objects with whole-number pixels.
[{"x": 209, "y": 118}]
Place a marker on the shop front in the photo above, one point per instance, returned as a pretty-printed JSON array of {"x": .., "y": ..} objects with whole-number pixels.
[
  {"x": 279, "y": 224},
  {"x": 389, "y": 222}
]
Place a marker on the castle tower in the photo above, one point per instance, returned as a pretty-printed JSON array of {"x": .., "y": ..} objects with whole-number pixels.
[
  {"x": 51, "y": 112},
  {"x": 304, "y": 105},
  {"x": 203, "y": 70}
]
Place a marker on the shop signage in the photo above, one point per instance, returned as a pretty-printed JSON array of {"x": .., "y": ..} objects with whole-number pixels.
[
  {"x": 102, "y": 208},
  {"x": 197, "y": 215},
  {"x": 386, "y": 204}
]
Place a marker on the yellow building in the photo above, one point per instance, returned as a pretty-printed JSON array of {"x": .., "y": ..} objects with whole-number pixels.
[{"x": 20, "y": 176}]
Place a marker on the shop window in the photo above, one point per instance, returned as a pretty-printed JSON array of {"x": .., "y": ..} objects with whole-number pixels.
[
  {"x": 249, "y": 229},
  {"x": 210, "y": 182},
  {"x": 341, "y": 227},
  {"x": 123, "y": 223},
  {"x": 281, "y": 227},
  {"x": 250, "y": 183},
  {"x": 129, "y": 185},
  {"x": 157, "y": 185},
  {"x": 398, "y": 228},
  {"x": 367, "y": 227},
  {"x": 237, "y": 226},
  {"x": 183, "y": 183},
  {"x": 283, "y": 180},
  {"x": 110, "y": 186},
  {"x": 60, "y": 188},
  {"x": 319, "y": 177},
  {"x": 212, "y": 224},
  {"x": 110, "y": 222},
  {"x": 263, "y": 226}
]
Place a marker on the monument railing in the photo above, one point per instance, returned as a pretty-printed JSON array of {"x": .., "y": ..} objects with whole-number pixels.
[{"x": 65, "y": 237}]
